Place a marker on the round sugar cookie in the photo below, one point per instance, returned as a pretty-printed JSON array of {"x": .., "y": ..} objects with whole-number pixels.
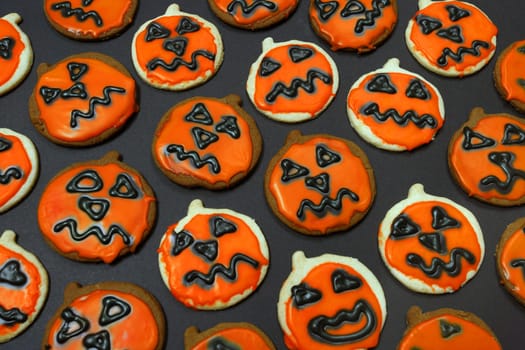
[
  {"x": 394, "y": 109},
  {"x": 508, "y": 75}
]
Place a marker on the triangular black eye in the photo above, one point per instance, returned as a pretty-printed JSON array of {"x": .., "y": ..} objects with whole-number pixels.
[
  {"x": 268, "y": 66},
  {"x": 113, "y": 309},
  {"x": 177, "y": 45},
  {"x": 156, "y": 31},
  {"x": 352, "y": 7},
  {"x": 441, "y": 220},
  {"x": 434, "y": 241},
  {"x": 342, "y": 281},
  {"x": 474, "y": 140},
  {"x": 77, "y": 90},
  {"x": 203, "y": 138},
  {"x": 303, "y": 295},
  {"x": 453, "y": 34},
  {"x": 292, "y": 170},
  {"x": 199, "y": 114},
  {"x": 326, "y": 9},
  {"x": 428, "y": 24},
  {"x": 228, "y": 125},
  {"x": 298, "y": 54},
  {"x": 455, "y": 13},
  {"x": 521, "y": 49},
  {"x": 85, "y": 182},
  {"x": 72, "y": 325},
  {"x": 403, "y": 227},
  {"x": 219, "y": 226},
  {"x": 49, "y": 94},
  {"x": 124, "y": 187},
  {"x": 417, "y": 89},
  {"x": 186, "y": 25},
  {"x": 76, "y": 70},
  {"x": 99, "y": 341},
  {"x": 11, "y": 273},
  {"x": 5, "y": 144},
  {"x": 381, "y": 83},
  {"x": 513, "y": 135},
  {"x": 6, "y": 48},
  {"x": 218, "y": 343},
  {"x": 181, "y": 241},
  {"x": 208, "y": 249},
  {"x": 326, "y": 157},
  {"x": 448, "y": 329}
]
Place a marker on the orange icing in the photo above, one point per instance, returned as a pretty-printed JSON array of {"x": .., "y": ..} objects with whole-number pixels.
[
  {"x": 9, "y": 66},
  {"x": 329, "y": 305},
  {"x": 113, "y": 15},
  {"x": 473, "y": 165},
  {"x": 57, "y": 205},
  {"x": 349, "y": 173},
  {"x": 340, "y": 32},
  {"x": 427, "y": 335},
  {"x": 512, "y": 64},
  {"x": 17, "y": 157},
  {"x": 136, "y": 331},
  {"x": 513, "y": 249},
  {"x": 243, "y": 338},
  {"x": 259, "y": 13},
  {"x": 243, "y": 241},
  {"x": 233, "y": 155},
  {"x": 305, "y": 102},
  {"x": 409, "y": 135},
  {"x": 396, "y": 250}
]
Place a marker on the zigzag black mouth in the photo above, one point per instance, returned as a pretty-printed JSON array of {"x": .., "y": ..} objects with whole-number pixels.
[
  {"x": 248, "y": 9},
  {"x": 194, "y": 158},
  {"x": 105, "y": 100},
  {"x": 326, "y": 204},
  {"x": 458, "y": 55},
  {"x": 228, "y": 273},
  {"x": 438, "y": 266},
  {"x": 9, "y": 317},
  {"x": 425, "y": 120},
  {"x": 67, "y": 11},
  {"x": 104, "y": 237},
  {"x": 307, "y": 85},
  {"x": 10, "y": 174},
  {"x": 177, "y": 62}
]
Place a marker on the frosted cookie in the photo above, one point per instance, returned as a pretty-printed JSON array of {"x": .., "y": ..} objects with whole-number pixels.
[
  {"x": 486, "y": 157},
  {"x": 431, "y": 244},
  {"x": 16, "y": 53},
  {"x": 292, "y": 81},
  {"x": 331, "y": 302},
  {"x": 177, "y": 51},
  {"x": 451, "y": 38},
  {"x": 90, "y": 19},
  {"x": 394, "y": 109},
  {"x": 253, "y": 14},
  {"x": 19, "y": 167},
  {"x": 446, "y": 329},
  {"x": 226, "y": 336},
  {"x": 82, "y": 100},
  {"x": 508, "y": 77},
  {"x": 208, "y": 142},
  {"x": 319, "y": 184},
  {"x": 213, "y": 258},
  {"x": 358, "y": 25},
  {"x": 97, "y": 210},
  {"x": 23, "y": 287},
  {"x": 106, "y": 315}
]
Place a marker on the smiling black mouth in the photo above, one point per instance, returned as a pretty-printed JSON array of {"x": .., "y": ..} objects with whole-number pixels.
[{"x": 327, "y": 204}]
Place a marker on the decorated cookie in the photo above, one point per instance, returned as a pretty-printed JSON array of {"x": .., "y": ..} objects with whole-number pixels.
[
  {"x": 177, "y": 51},
  {"x": 23, "y": 287},
  {"x": 208, "y": 142},
  {"x": 508, "y": 75},
  {"x": 331, "y": 302},
  {"x": 106, "y": 315},
  {"x": 16, "y": 53},
  {"x": 486, "y": 157},
  {"x": 446, "y": 329},
  {"x": 292, "y": 81},
  {"x": 431, "y": 244},
  {"x": 97, "y": 210},
  {"x": 83, "y": 99},
  {"x": 18, "y": 167},
  {"x": 226, "y": 336},
  {"x": 213, "y": 258},
  {"x": 253, "y": 14},
  {"x": 451, "y": 38},
  {"x": 90, "y": 19},
  {"x": 395, "y": 109},
  {"x": 358, "y": 25},
  {"x": 319, "y": 184}
]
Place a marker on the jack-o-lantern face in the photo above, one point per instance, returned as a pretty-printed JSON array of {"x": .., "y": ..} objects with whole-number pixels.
[
  {"x": 207, "y": 142},
  {"x": 18, "y": 167},
  {"x": 487, "y": 158},
  {"x": 292, "y": 81},
  {"x": 395, "y": 109},
  {"x": 331, "y": 302},
  {"x": 23, "y": 287},
  {"x": 431, "y": 244},
  {"x": 213, "y": 258},
  {"x": 509, "y": 78},
  {"x": 82, "y": 99},
  {"x": 453, "y": 38},
  {"x": 177, "y": 50},
  {"x": 353, "y": 24},
  {"x": 97, "y": 210},
  {"x": 106, "y": 316},
  {"x": 319, "y": 184}
]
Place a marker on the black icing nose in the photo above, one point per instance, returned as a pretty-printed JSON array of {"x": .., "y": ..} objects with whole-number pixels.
[
  {"x": 320, "y": 182},
  {"x": 96, "y": 209},
  {"x": 99, "y": 341},
  {"x": 177, "y": 45},
  {"x": 208, "y": 249}
]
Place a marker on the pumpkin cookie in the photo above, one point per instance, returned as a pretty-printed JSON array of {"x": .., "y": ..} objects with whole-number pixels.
[
  {"x": 90, "y": 19},
  {"x": 292, "y": 81},
  {"x": 177, "y": 51},
  {"x": 16, "y": 53},
  {"x": 207, "y": 142},
  {"x": 451, "y": 38},
  {"x": 431, "y": 244},
  {"x": 394, "y": 109},
  {"x": 358, "y": 25},
  {"x": 23, "y": 287},
  {"x": 331, "y": 302},
  {"x": 508, "y": 77},
  {"x": 19, "y": 167},
  {"x": 213, "y": 258},
  {"x": 106, "y": 315},
  {"x": 97, "y": 210},
  {"x": 83, "y": 99}
]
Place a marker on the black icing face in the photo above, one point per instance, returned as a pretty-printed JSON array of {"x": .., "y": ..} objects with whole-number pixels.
[
  {"x": 12, "y": 279},
  {"x": 84, "y": 13},
  {"x": 6, "y": 48}
]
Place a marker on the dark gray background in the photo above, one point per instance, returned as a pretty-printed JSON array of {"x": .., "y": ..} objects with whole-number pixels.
[{"x": 395, "y": 173}]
